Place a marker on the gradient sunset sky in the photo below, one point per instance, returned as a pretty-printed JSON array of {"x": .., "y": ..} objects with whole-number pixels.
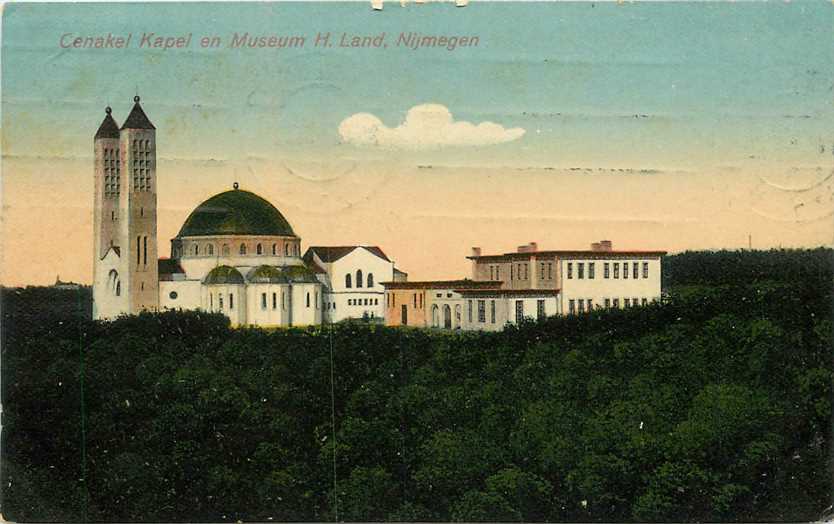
[{"x": 656, "y": 125}]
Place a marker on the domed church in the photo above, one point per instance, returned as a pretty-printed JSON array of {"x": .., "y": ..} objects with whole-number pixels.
[{"x": 235, "y": 253}]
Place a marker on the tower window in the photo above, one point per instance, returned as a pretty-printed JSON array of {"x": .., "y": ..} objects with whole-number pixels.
[
  {"x": 145, "y": 241},
  {"x": 138, "y": 250}
]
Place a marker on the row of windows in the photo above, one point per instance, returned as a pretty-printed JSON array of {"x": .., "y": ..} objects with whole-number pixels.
[
  {"x": 142, "y": 145},
  {"x": 521, "y": 271},
  {"x": 208, "y": 249},
  {"x": 363, "y": 302},
  {"x": 519, "y": 310},
  {"x": 582, "y": 305},
  {"x": 607, "y": 266},
  {"x": 265, "y": 302},
  {"x": 141, "y": 164},
  {"x": 416, "y": 300},
  {"x": 349, "y": 279}
]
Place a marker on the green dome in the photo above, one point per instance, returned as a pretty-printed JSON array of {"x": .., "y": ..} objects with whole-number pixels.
[
  {"x": 223, "y": 275},
  {"x": 235, "y": 212},
  {"x": 300, "y": 274},
  {"x": 267, "y": 275}
]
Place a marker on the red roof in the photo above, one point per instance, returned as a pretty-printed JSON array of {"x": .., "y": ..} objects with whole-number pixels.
[
  {"x": 509, "y": 292},
  {"x": 443, "y": 284}
]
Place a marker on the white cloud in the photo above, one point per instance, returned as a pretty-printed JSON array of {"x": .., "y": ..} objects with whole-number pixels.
[{"x": 427, "y": 126}]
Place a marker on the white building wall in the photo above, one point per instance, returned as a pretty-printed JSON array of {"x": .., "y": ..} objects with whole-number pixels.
[
  {"x": 187, "y": 294},
  {"x": 340, "y": 295},
  {"x": 268, "y": 313},
  {"x": 106, "y": 304},
  {"x": 302, "y": 313},
  {"x": 235, "y": 310},
  {"x": 600, "y": 288},
  {"x": 505, "y": 311}
]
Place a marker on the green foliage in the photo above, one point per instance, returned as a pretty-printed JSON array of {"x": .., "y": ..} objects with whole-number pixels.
[{"x": 712, "y": 405}]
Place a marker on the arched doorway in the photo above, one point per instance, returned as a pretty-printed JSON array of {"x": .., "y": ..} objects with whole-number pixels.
[
  {"x": 457, "y": 316},
  {"x": 435, "y": 316},
  {"x": 447, "y": 316}
]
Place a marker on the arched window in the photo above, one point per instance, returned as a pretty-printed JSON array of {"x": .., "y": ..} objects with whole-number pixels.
[
  {"x": 308, "y": 299},
  {"x": 226, "y": 249},
  {"x": 210, "y": 249},
  {"x": 196, "y": 249},
  {"x": 259, "y": 249},
  {"x": 347, "y": 280},
  {"x": 370, "y": 280},
  {"x": 358, "y": 278},
  {"x": 243, "y": 249},
  {"x": 274, "y": 249},
  {"x": 118, "y": 289}
]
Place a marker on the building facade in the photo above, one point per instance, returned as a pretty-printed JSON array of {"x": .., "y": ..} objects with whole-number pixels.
[
  {"x": 509, "y": 288},
  {"x": 353, "y": 277},
  {"x": 235, "y": 254}
]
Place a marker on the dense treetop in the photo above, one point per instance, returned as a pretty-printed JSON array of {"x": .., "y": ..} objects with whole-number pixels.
[{"x": 714, "y": 405}]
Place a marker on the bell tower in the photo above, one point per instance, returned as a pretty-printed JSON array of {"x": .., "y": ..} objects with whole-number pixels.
[
  {"x": 137, "y": 202},
  {"x": 108, "y": 300}
]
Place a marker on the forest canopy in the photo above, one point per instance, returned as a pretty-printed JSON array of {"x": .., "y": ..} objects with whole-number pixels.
[{"x": 714, "y": 404}]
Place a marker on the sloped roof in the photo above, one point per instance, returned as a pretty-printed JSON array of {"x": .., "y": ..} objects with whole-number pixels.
[
  {"x": 137, "y": 119},
  {"x": 108, "y": 128},
  {"x": 236, "y": 212},
  {"x": 329, "y": 254},
  {"x": 167, "y": 266}
]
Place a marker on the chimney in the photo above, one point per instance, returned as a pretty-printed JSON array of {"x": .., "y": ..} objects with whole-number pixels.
[
  {"x": 532, "y": 247},
  {"x": 605, "y": 245},
  {"x": 476, "y": 251},
  {"x": 596, "y": 246}
]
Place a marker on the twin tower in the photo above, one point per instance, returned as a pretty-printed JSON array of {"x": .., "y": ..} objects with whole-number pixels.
[{"x": 125, "y": 275}]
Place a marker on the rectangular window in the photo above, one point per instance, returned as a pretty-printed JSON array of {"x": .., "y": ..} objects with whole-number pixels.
[
  {"x": 581, "y": 305},
  {"x": 421, "y": 300},
  {"x": 231, "y": 301},
  {"x": 645, "y": 270},
  {"x": 491, "y": 272},
  {"x": 625, "y": 269},
  {"x": 263, "y": 300},
  {"x": 497, "y": 272},
  {"x": 512, "y": 274},
  {"x": 580, "y": 270},
  {"x": 550, "y": 270},
  {"x": 492, "y": 311},
  {"x": 634, "y": 301},
  {"x": 606, "y": 270},
  {"x": 415, "y": 300},
  {"x": 636, "y": 268},
  {"x": 607, "y": 303},
  {"x": 616, "y": 302},
  {"x": 571, "y": 306},
  {"x": 138, "y": 250},
  {"x": 627, "y": 302},
  {"x": 542, "y": 270},
  {"x": 591, "y": 270},
  {"x": 283, "y": 301},
  {"x": 316, "y": 300},
  {"x": 570, "y": 269},
  {"x": 519, "y": 311},
  {"x": 482, "y": 311},
  {"x": 145, "y": 250},
  {"x": 540, "y": 309},
  {"x": 590, "y": 304},
  {"x": 275, "y": 301},
  {"x": 469, "y": 310},
  {"x": 616, "y": 270},
  {"x": 643, "y": 302},
  {"x": 220, "y": 300}
]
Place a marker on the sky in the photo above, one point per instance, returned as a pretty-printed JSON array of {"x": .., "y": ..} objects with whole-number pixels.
[{"x": 667, "y": 126}]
